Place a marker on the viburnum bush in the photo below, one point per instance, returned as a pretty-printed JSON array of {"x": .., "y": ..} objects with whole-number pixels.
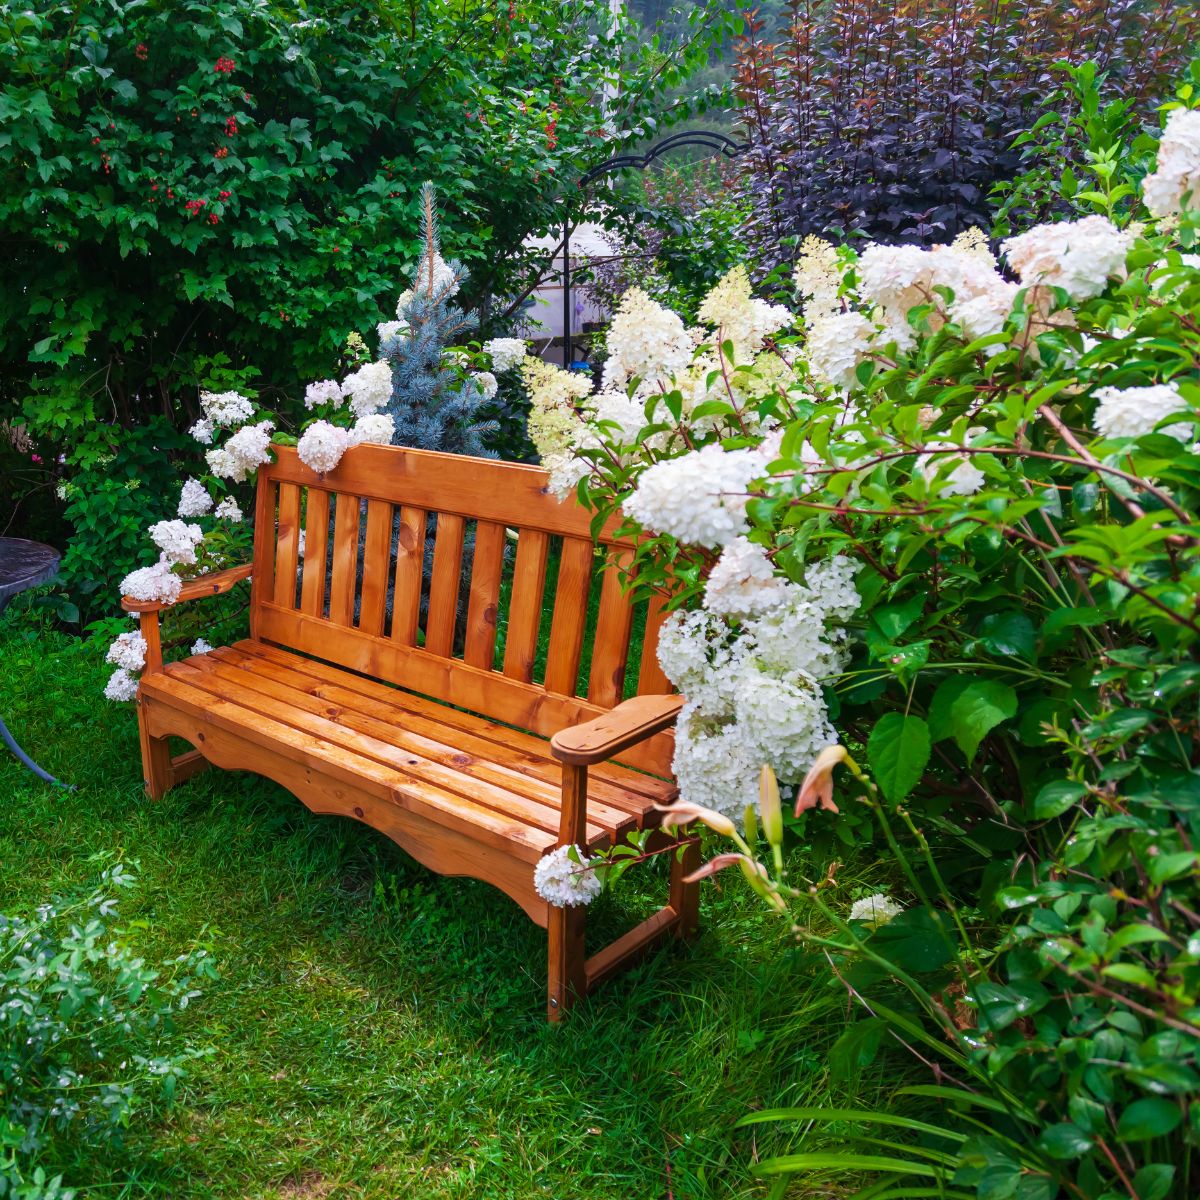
[
  {"x": 943, "y": 524},
  {"x": 419, "y": 392},
  {"x": 200, "y": 196}
]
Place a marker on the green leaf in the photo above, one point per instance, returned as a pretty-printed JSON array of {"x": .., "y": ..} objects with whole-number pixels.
[
  {"x": 1153, "y": 1182},
  {"x": 898, "y": 750},
  {"x": 978, "y": 709},
  {"x": 1008, "y": 634},
  {"x": 1055, "y": 798},
  {"x": 1064, "y": 1141},
  {"x": 856, "y": 1047},
  {"x": 1149, "y": 1118},
  {"x": 940, "y": 707},
  {"x": 790, "y": 1164},
  {"x": 916, "y": 940}
]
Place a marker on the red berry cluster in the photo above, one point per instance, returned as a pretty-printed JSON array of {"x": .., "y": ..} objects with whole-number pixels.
[
  {"x": 224, "y": 195},
  {"x": 142, "y": 51},
  {"x": 231, "y": 126},
  {"x": 551, "y": 128},
  {"x": 194, "y": 206},
  {"x": 221, "y": 152},
  {"x": 224, "y": 66}
]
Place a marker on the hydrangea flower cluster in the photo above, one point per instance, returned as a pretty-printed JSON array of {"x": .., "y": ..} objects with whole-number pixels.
[
  {"x": 750, "y": 663},
  {"x": 566, "y": 878},
  {"x": 875, "y": 910},
  {"x": 1176, "y": 175}
]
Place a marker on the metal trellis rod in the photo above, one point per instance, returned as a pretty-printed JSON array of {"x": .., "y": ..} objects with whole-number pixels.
[{"x": 707, "y": 138}]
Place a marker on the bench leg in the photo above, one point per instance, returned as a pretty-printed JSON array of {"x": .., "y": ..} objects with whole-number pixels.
[
  {"x": 685, "y": 897},
  {"x": 156, "y": 759},
  {"x": 568, "y": 971}
]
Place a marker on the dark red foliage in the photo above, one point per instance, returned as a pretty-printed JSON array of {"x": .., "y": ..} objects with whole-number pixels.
[{"x": 896, "y": 118}]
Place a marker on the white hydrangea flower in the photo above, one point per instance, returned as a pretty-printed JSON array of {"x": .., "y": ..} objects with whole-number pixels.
[
  {"x": 700, "y": 498},
  {"x": 128, "y": 651},
  {"x": 831, "y": 582},
  {"x": 715, "y": 766},
  {"x": 1078, "y": 256},
  {"x": 445, "y": 282},
  {"x": 834, "y": 346},
  {"x": 785, "y": 718},
  {"x": 487, "y": 383},
  {"x": 375, "y": 427},
  {"x": 200, "y": 646},
  {"x": 322, "y": 445},
  {"x": 876, "y": 910},
  {"x": 323, "y": 391},
  {"x": 684, "y": 644},
  {"x": 226, "y": 408},
  {"x": 177, "y": 540},
  {"x": 736, "y": 316},
  {"x": 245, "y": 452},
  {"x": 817, "y": 277},
  {"x": 121, "y": 686},
  {"x": 203, "y": 431},
  {"x": 564, "y": 882},
  {"x": 158, "y": 583},
  {"x": 1132, "y": 412},
  {"x": 369, "y": 388},
  {"x": 1177, "y": 171},
  {"x": 505, "y": 353},
  {"x": 743, "y": 582},
  {"x": 646, "y": 342},
  {"x": 962, "y": 479},
  {"x": 228, "y": 510},
  {"x": 555, "y": 426},
  {"x": 386, "y": 330},
  {"x": 194, "y": 500}
]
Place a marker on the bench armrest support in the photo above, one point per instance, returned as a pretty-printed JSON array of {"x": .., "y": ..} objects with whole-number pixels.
[
  {"x": 606, "y": 736},
  {"x": 213, "y": 584}
]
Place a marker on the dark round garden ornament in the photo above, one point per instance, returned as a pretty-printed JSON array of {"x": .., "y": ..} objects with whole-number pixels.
[{"x": 23, "y": 565}]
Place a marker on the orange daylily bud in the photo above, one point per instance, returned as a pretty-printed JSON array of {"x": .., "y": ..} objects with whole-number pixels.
[{"x": 817, "y": 789}]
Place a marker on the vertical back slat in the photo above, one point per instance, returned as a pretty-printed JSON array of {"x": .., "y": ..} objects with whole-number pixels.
[
  {"x": 487, "y": 567},
  {"x": 525, "y": 608},
  {"x": 262, "y": 580},
  {"x": 570, "y": 616},
  {"x": 410, "y": 567},
  {"x": 651, "y": 680},
  {"x": 316, "y": 553},
  {"x": 611, "y": 646},
  {"x": 345, "y": 560},
  {"x": 377, "y": 561},
  {"x": 287, "y": 549},
  {"x": 443, "y": 584}
]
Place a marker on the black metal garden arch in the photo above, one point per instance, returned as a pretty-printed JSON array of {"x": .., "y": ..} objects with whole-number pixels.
[{"x": 708, "y": 138}]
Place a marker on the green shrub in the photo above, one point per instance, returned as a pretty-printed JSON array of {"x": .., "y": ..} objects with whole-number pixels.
[{"x": 88, "y": 1030}]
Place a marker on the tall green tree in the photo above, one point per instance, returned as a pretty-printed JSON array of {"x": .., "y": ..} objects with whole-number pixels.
[{"x": 194, "y": 192}]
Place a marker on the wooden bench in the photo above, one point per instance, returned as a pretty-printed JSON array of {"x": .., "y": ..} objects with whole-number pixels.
[{"x": 461, "y": 755}]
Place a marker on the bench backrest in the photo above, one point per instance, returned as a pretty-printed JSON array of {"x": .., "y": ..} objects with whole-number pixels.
[{"x": 363, "y": 611}]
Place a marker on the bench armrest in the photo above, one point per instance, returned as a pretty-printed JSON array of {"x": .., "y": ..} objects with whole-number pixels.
[
  {"x": 213, "y": 584},
  {"x": 606, "y": 736}
]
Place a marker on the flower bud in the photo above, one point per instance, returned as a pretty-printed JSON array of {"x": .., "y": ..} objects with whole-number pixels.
[{"x": 769, "y": 805}]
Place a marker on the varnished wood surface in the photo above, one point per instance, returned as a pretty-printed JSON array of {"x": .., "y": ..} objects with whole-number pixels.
[{"x": 409, "y": 723}]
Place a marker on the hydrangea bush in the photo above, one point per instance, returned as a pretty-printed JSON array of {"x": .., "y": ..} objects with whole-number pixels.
[{"x": 946, "y": 514}]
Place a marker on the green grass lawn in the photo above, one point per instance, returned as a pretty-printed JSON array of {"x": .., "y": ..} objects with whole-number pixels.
[{"x": 378, "y": 1031}]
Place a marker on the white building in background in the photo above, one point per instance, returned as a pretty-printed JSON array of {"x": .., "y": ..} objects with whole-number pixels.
[{"x": 545, "y": 314}]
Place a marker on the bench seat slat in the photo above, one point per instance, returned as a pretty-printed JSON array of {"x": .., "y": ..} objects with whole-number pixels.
[
  {"x": 359, "y": 771},
  {"x": 535, "y": 799},
  {"x": 646, "y": 789},
  {"x": 519, "y": 753},
  {"x": 405, "y": 759}
]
